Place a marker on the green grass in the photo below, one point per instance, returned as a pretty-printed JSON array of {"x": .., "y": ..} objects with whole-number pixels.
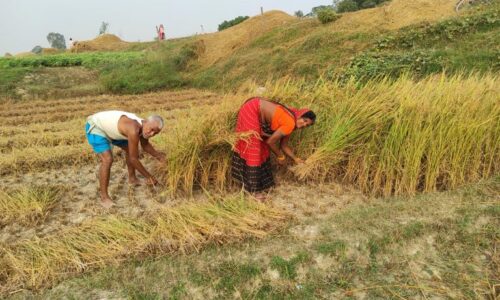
[
  {"x": 139, "y": 78},
  {"x": 9, "y": 77},
  {"x": 461, "y": 44},
  {"x": 87, "y": 59},
  {"x": 436, "y": 245}
]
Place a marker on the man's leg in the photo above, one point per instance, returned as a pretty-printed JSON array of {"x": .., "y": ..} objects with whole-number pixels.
[
  {"x": 104, "y": 170},
  {"x": 132, "y": 179}
]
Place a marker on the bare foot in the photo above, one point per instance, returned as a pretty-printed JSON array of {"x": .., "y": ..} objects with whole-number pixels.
[
  {"x": 260, "y": 197},
  {"x": 134, "y": 182},
  {"x": 106, "y": 202}
]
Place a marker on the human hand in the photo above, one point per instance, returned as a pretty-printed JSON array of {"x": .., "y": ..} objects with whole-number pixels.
[
  {"x": 161, "y": 157},
  {"x": 298, "y": 160},
  {"x": 281, "y": 160},
  {"x": 152, "y": 181}
]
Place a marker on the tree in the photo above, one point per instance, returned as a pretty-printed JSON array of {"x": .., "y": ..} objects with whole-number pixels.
[
  {"x": 353, "y": 5},
  {"x": 37, "y": 49},
  {"x": 299, "y": 14},
  {"x": 368, "y": 4},
  {"x": 104, "y": 28},
  {"x": 346, "y": 6},
  {"x": 56, "y": 40},
  {"x": 327, "y": 15},
  {"x": 230, "y": 23},
  {"x": 315, "y": 10}
]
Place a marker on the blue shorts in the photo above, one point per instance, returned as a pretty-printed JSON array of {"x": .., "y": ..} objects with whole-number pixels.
[{"x": 101, "y": 144}]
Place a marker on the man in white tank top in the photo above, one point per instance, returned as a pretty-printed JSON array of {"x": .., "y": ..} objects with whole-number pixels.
[{"x": 125, "y": 130}]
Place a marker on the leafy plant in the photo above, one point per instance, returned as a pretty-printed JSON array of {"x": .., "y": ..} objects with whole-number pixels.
[
  {"x": 233, "y": 22},
  {"x": 327, "y": 16}
]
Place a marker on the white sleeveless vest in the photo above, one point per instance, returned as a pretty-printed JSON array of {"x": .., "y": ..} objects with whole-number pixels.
[{"x": 105, "y": 123}]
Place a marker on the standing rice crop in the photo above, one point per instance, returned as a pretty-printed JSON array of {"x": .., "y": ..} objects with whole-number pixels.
[{"x": 386, "y": 137}]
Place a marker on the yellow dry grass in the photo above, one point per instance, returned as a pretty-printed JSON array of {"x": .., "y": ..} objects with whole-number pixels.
[
  {"x": 39, "y": 263},
  {"x": 395, "y": 14},
  {"x": 386, "y": 137},
  {"x": 27, "y": 206},
  {"x": 50, "y": 51},
  {"x": 24, "y": 54},
  {"x": 105, "y": 42},
  {"x": 221, "y": 44}
]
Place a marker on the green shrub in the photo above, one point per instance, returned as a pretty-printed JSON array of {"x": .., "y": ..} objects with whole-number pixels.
[
  {"x": 372, "y": 65},
  {"x": 353, "y": 5},
  {"x": 346, "y": 6},
  {"x": 188, "y": 53},
  {"x": 89, "y": 60},
  {"x": 447, "y": 30},
  {"x": 231, "y": 23},
  {"x": 327, "y": 16}
]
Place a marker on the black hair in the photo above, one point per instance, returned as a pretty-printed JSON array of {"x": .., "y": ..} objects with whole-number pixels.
[{"x": 309, "y": 115}]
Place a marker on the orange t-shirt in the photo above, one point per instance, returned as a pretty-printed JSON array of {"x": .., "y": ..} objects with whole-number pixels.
[{"x": 282, "y": 121}]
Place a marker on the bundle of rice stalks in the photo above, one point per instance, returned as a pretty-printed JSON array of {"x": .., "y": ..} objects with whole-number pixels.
[
  {"x": 29, "y": 205},
  {"x": 40, "y": 263},
  {"x": 198, "y": 148}
]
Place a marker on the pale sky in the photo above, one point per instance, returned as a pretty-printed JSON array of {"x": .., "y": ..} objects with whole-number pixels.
[{"x": 26, "y": 23}]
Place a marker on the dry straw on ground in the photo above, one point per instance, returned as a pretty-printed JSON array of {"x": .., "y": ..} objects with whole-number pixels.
[
  {"x": 27, "y": 206},
  {"x": 38, "y": 263}
]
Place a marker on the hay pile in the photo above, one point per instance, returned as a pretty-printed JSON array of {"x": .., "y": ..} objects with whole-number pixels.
[
  {"x": 105, "y": 42},
  {"x": 222, "y": 44},
  {"x": 24, "y": 54},
  {"x": 395, "y": 14},
  {"x": 50, "y": 51}
]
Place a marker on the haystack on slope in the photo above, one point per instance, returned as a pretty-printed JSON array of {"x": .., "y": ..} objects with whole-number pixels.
[
  {"x": 105, "y": 42},
  {"x": 222, "y": 44},
  {"x": 50, "y": 51},
  {"x": 395, "y": 14}
]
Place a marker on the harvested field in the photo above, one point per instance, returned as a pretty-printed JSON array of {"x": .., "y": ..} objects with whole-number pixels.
[{"x": 48, "y": 134}]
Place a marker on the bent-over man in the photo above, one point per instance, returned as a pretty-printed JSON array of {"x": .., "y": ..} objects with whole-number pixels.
[{"x": 125, "y": 130}]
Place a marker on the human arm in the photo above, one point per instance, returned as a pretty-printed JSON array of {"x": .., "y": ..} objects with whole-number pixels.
[
  {"x": 288, "y": 151},
  {"x": 133, "y": 134},
  {"x": 148, "y": 148}
]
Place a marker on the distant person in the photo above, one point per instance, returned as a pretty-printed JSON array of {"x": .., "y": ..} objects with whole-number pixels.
[
  {"x": 161, "y": 32},
  {"x": 271, "y": 123},
  {"x": 125, "y": 130}
]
